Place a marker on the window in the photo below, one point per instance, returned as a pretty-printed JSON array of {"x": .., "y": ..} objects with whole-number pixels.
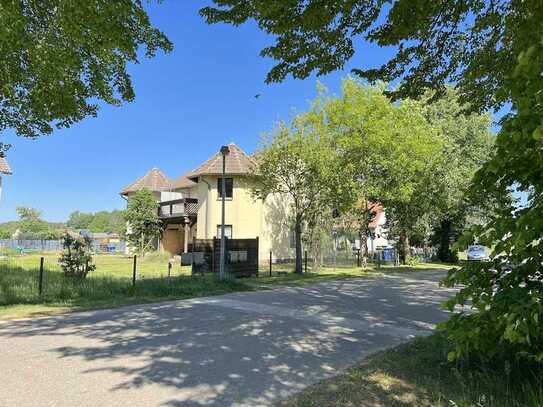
[
  {"x": 229, "y": 187},
  {"x": 227, "y": 231}
]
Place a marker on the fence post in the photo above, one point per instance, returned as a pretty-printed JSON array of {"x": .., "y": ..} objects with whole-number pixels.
[
  {"x": 305, "y": 260},
  {"x": 40, "y": 281},
  {"x": 192, "y": 256},
  {"x": 257, "y": 259},
  {"x": 270, "y": 263},
  {"x": 134, "y": 271}
]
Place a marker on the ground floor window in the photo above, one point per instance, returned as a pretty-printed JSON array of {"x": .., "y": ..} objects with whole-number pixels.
[{"x": 227, "y": 231}]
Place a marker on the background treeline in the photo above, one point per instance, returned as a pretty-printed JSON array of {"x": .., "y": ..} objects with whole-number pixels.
[{"x": 31, "y": 225}]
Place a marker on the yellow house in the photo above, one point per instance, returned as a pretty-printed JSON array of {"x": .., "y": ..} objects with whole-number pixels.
[{"x": 191, "y": 206}]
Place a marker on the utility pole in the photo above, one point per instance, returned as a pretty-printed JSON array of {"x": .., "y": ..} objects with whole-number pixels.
[{"x": 222, "y": 274}]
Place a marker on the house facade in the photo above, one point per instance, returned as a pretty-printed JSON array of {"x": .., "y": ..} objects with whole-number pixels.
[
  {"x": 190, "y": 206},
  {"x": 4, "y": 170}
]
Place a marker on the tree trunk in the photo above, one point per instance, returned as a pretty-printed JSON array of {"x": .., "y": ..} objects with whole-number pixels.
[
  {"x": 298, "y": 237},
  {"x": 363, "y": 248},
  {"x": 405, "y": 253},
  {"x": 444, "y": 253}
]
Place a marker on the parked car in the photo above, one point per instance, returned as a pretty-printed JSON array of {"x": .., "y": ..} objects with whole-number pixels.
[{"x": 478, "y": 253}]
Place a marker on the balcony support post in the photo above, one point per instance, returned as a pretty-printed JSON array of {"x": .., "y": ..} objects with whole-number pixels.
[{"x": 186, "y": 226}]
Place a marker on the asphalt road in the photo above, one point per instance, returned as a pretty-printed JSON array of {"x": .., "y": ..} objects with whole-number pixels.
[{"x": 239, "y": 349}]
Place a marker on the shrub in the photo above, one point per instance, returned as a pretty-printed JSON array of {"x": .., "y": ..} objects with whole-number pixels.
[
  {"x": 76, "y": 261},
  {"x": 413, "y": 261}
]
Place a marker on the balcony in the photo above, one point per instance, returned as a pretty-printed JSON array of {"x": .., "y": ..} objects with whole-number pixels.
[{"x": 178, "y": 209}]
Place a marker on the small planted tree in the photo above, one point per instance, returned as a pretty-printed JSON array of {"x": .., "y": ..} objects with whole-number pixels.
[
  {"x": 76, "y": 260},
  {"x": 144, "y": 225}
]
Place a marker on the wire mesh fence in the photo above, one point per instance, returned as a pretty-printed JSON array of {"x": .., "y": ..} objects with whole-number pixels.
[{"x": 26, "y": 279}]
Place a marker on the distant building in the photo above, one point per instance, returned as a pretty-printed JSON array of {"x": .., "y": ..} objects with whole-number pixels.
[{"x": 4, "y": 170}]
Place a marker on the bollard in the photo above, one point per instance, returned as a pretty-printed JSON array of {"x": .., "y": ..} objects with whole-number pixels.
[
  {"x": 40, "y": 281},
  {"x": 270, "y": 263},
  {"x": 169, "y": 271},
  {"x": 305, "y": 261},
  {"x": 134, "y": 271}
]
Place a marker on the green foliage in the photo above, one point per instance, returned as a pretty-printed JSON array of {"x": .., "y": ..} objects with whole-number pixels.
[
  {"x": 467, "y": 146},
  {"x": 76, "y": 260},
  {"x": 79, "y": 220},
  {"x": 507, "y": 293},
  {"x": 58, "y": 63},
  {"x": 103, "y": 221},
  {"x": 297, "y": 166},
  {"x": 387, "y": 152},
  {"x": 30, "y": 220},
  {"x": 144, "y": 225},
  {"x": 493, "y": 52},
  {"x": 32, "y": 226},
  {"x": 438, "y": 42}
]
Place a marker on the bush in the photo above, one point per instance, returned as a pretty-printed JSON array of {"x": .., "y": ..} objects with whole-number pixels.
[
  {"x": 76, "y": 261},
  {"x": 414, "y": 261}
]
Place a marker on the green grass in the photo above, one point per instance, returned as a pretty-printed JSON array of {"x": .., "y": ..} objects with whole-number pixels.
[
  {"x": 110, "y": 285},
  {"x": 418, "y": 374},
  {"x": 337, "y": 273}
]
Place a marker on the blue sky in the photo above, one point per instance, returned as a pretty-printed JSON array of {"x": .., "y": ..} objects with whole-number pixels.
[{"x": 188, "y": 103}]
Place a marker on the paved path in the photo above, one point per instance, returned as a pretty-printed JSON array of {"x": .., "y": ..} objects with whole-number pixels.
[{"x": 239, "y": 349}]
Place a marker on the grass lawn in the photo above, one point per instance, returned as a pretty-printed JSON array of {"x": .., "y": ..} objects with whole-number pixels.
[
  {"x": 110, "y": 285},
  {"x": 418, "y": 374},
  {"x": 338, "y": 273}
]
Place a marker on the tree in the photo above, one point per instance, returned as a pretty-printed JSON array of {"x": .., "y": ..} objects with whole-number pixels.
[
  {"x": 79, "y": 220},
  {"x": 467, "y": 146},
  {"x": 507, "y": 293},
  {"x": 298, "y": 167},
  {"x": 387, "y": 153},
  {"x": 103, "y": 221},
  {"x": 61, "y": 57},
  {"x": 493, "y": 52},
  {"x": 470, "y": 43},
  {"x": 30, "y": 220},
  {"x": 144, "y": 225}
]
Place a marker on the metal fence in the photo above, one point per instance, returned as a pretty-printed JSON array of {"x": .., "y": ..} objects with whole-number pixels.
[{"x": 39, "y": 278}]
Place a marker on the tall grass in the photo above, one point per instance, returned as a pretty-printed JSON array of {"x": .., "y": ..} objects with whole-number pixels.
[{"x": 19, "y": 281}]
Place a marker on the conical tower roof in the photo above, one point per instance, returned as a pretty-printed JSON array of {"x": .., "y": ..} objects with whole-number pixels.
[
  {"x": 237, "y": 163},
  {"x": 154, "y": 180},
  {"x": 4, "y": 166}
]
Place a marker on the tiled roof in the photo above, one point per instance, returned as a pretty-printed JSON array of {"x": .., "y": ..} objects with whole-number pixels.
[
  {"x": 154, "y": 180},
  {"x": 237, "y": 163},
  {"x": 182, "y": 182},
  {"x": 4, "y": 167},
  {"x": 378, "y": 212}
]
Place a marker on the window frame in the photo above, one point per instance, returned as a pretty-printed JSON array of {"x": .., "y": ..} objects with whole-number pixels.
[{"x": 219, "y": 189}]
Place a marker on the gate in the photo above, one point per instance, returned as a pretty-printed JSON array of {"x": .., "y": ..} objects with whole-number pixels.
[{"x": 241, "y": 256}]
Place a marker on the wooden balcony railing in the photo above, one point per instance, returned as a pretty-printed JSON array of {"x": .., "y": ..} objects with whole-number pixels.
[{"x": 178, "y": 208}]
